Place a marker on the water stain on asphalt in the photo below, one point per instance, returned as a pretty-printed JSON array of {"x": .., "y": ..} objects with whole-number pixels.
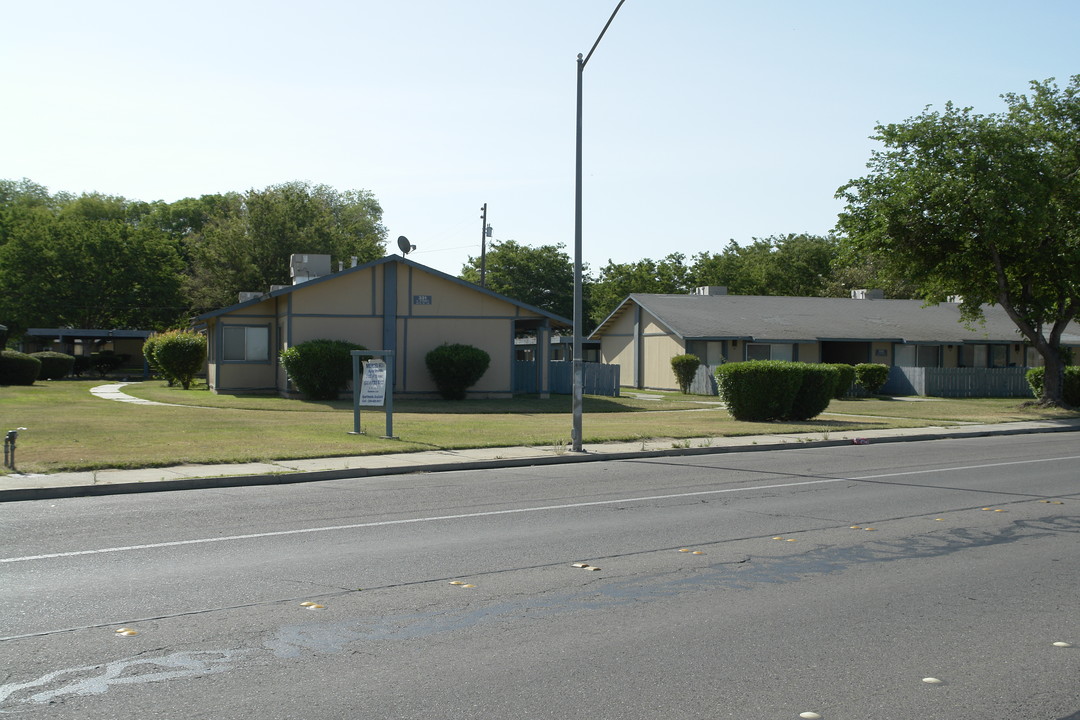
[{"x": 292, "y": 640}]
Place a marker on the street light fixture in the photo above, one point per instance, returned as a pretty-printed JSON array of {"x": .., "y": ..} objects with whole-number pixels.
[{"x": 579, "y": 370}]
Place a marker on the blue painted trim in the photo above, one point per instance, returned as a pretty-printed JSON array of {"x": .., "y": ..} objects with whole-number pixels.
[{"x": 389, "y": 333}]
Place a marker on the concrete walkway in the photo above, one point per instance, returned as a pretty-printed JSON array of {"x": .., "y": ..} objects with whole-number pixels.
[
  {"x": 116, "y": 392},
  {"x": 187, "y": 477}
]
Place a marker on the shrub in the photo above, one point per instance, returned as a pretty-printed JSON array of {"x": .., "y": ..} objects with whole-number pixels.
[
  {"x": 845, "y": 380},
  {"x": 871, "y": 376},
  {"x": 759, "y": 390},
  {"x": 320, "y": 369},
  {"x": 54, "y": 365},
  {"x": 181, "y": 355},
  {"x": 685, "y": 368},
  {"x": 455, "y": 368},
  {"x": 815, "y": 392},
  {"x": 18, "y": 368},
  {"x": 1036, "y": 378},
  {"x": 149, "y": 350}
]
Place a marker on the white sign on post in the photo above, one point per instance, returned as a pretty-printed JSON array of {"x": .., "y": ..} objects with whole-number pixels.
[{"x": 373, "y": 387}]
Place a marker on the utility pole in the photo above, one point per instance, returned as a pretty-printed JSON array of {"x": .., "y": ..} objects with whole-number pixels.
[{"x": 485, "y": 233}]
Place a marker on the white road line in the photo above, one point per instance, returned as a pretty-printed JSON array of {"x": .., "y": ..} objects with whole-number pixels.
[{"x": 542, "y": 508}]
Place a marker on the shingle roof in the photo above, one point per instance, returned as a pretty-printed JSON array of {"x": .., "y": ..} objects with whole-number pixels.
[{"x": 794, "y": 319}]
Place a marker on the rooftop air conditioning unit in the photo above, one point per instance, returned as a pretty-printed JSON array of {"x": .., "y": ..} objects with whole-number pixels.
[{"x": 308, "y": 267}]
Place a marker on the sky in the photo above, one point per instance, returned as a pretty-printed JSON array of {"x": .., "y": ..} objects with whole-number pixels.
[{"x": 704, "y": 120}]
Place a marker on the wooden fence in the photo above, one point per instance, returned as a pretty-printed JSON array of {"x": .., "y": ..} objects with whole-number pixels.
[
  {"x": 600, "y": 379},
  {"x": 958, "y": 382}
]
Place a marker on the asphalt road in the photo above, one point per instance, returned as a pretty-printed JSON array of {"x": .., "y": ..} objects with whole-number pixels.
[{"x": 729, "y": 586}]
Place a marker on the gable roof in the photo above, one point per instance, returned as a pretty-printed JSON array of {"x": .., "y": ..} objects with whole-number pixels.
[
  {"x": 809, "y": 319},
  {"x": 557, "y": 319}
]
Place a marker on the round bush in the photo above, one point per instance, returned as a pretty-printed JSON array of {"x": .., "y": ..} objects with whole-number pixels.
[
  {"x": 181, "y": 355},
  {"x": 320, "y": 369},
  {"x": 759, "y": 390},
  {"x": 871, "y": 376},
  {"x": 54, "y": 365},
  {"x": 456, "y": 368},
  {"x": 685, "y": 368},
  {"x": 18, "y": 368}
]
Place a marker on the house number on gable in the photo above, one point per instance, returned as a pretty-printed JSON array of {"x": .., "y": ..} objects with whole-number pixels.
[{"x": 421, "y": 299}]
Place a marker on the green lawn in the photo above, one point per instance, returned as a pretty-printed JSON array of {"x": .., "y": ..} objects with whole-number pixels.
[{"x": 70, "y": 429}]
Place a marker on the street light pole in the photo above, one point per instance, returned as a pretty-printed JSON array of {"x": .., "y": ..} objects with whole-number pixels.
[{"x": 578, "y": 367}]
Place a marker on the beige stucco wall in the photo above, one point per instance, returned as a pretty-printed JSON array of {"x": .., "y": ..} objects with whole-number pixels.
[
  {"x": 809, "y": 352},
  {"x": 659, "y": 349},
  {"x": 493, "y": 336},
  {"x": 617, "y": 348},
  {"x": 887, "y": 358}
]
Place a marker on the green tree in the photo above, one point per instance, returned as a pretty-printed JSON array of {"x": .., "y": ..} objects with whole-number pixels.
[
  {"x": 798, "y": 265},
  {"x": 539, "y": 276},
  {"x": 982, "y": 206},
  {"x": 246, "y": 243},
  {"x": 90, "y": 270},
  {"x": 618, "y": 280}
]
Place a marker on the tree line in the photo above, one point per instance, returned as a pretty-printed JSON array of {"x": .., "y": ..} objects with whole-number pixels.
[
  {"x": 103, "y": 261},
  {"x": 798, "y": 265},
  {"x": 954, "y": 203}
]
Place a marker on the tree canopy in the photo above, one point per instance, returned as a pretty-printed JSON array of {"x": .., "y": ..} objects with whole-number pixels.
[
  {"x": 245, "y": 242},
  {"x": 986, "y": 207},
  {"x": 101, "y": 261},
  {"x": 539, "y": 276}
]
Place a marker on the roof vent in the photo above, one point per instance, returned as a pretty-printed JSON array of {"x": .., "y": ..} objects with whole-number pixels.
[
  {"x": 863, "y": 294},
  {"x": 711, "y": 290},
  {"x": 245, "y": 296},
  {"x": 308, "y": 267}
]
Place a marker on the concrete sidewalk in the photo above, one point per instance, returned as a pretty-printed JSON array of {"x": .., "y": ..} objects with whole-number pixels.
[{"x": 189, "y": 477}]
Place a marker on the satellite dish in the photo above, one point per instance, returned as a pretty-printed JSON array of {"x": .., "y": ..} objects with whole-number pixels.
[{"x": 404, "y": 246}]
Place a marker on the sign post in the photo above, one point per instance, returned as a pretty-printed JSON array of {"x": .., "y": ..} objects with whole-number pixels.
[{"x": 375, "y": 387}]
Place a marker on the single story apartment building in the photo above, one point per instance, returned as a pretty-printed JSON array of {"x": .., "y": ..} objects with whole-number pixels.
[
  {"x": 646, "y": 330},
  {"x": 392, "y": 304}
]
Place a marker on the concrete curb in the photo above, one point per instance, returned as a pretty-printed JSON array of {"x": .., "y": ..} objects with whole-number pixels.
[{"x": 767, "y": 442}]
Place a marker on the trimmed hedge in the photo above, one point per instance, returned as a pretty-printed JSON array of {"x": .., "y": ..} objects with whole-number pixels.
[
  {"x": 180, "y": 355},
  {"x": 1036, "y": 377},
  {"x": 685, "y": 367},
  {"x": 761, "y": 390},
  {"x": 54, "y": 365},
  {"x": 871, "y": 376},
  {"x": 320, "y": 369},
  {"x": 845, "y": 381},
  {"x": 18, "y": 368},
  {"x": 816, "y": 391},
  {"x": 456, "y": 368}
]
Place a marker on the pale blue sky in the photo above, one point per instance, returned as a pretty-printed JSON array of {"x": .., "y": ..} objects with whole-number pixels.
[{"x": 705, "y": 120}]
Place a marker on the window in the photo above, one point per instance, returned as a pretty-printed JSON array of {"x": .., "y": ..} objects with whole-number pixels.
[
  {"x": 999, "y": 355},
  {"x": 244, "y": 343},
  {"x": 774, "y": 351}
]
